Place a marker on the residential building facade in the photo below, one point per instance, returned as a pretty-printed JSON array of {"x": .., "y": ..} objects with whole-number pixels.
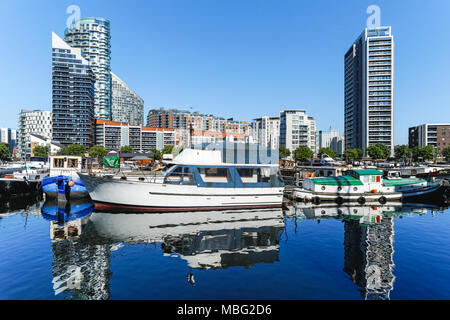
[
  {"x": 114, "y": 135},
  {"x": 297, "y": 129},
  {"x": 73, "y": 95},
  {"x": 9, "y": 137},
  {"x": 331, "y": 139},
  {"x": 32, "y": 122},
  {"x": 265, "y": 131},
  {"x": 369, "y": 90},
  {"x": 93, "y": 37},
  {"x": 434, "y": 134},
  {"x": 127, "y": 106}
]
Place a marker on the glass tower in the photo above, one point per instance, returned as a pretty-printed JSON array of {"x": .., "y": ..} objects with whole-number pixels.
[
  {"x": 92, "y": 36},
  {"x": 127, "y": 106},
  {"x": 73, "y": 95},
  {"x": 369, "y": 90}
]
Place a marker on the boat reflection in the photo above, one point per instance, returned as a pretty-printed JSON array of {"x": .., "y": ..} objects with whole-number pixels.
[
  {"x": 82, "y": 242},
  {"x": 23, "y": 204},
  {"x": 368, "y": 240}
]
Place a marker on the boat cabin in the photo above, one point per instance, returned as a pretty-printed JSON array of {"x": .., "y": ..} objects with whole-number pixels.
[
  {"x": 68, "y": 165},
  {"x": 370, "y": 178},
  {"x": 225, "y": 176}
]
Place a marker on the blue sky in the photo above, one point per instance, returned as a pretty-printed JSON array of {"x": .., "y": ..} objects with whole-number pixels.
[{"x": 240, "y": 59}]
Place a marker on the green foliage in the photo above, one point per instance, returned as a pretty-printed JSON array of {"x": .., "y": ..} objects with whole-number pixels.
[
  {"x": 426, "y": 153},
  {"x": 4, "y": 152},
  {"x": 157, "y": 154},
  {"x": 127, "y": 149},
  {"x": 379, "y": 151},
  {"x": 303, "y": 153},
  {"x": 167, "y": 150},
  {"x": 41, "y": 151},
  {"x": 98, "y": 152},
  {"x": 73, "y": 150},
  {"x": 352, "y": 154},
  {"x": 284, "y": 152},
  {"x": 446, "y": 153},
  {"x": 328, "y": 151},
  {"x": 403, "y": 152}
]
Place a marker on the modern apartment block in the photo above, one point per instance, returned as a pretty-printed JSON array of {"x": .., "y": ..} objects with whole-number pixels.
[
  {"x": 437, "y": 135},
  {"x": 73, "y": 95},
  {"x": 114, "y": 135},
  {"x": 92, "y": 36},
  {"x": 297, "y": 129},
  {"x": 198, "y": 128},
  {"x": 127, "y": 106},
  {"x": 9, "y": 137},
  {"x": 265, "y": 131},
  {"x": 369, "y": 90},
  {"x": 331, "y": 139},
  {"x": 32, "y": 122}
]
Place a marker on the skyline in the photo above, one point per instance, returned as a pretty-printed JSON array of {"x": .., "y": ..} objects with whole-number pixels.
[{"x": 199, "y": 60}]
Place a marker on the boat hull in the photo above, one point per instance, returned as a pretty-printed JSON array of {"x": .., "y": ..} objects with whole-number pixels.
[
  {"x": 77, "y": 191},
  {"x": 307, "y": 195},
  {"x": 17, "y": 187},
  {"x": 132, "y": 196}
]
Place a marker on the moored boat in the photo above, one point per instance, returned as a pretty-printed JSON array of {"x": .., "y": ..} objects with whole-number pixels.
[
  {"x": 362, "y": 185},
  {"x": 198, "y": 180}
]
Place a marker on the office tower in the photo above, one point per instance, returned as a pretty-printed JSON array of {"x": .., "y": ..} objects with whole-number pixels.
[
  {"x": 436, "y": 135},
  {"x": 369, "y": 90},
  {"x": 32, "y": 122},
  {"x": 331, "y": 139},
  {"x": 266, "y": 131},
  {"x": 73, "y": 95},
  {"x": 92, "y": 36},
  {"x": 8, "y": 136},
  {"x": 127, "y": 106},
  {"x": 297, "y": 129}
]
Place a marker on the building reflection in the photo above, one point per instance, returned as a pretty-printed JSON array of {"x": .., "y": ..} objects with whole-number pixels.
[{"x": 368, "y": 240}]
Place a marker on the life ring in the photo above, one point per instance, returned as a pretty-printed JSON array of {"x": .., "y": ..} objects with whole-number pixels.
[
  {"x": 316, "y": 200},
  {"x": 339, "y": 200},
  {"x": 361, "y": 200},
  {"x": 382, "y": 200}
]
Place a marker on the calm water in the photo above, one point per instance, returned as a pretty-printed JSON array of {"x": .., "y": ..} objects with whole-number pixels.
[{"x": 370, "y": 252}]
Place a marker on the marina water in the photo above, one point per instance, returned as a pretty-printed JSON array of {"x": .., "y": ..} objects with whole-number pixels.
[{"x": 387, "y": 252}]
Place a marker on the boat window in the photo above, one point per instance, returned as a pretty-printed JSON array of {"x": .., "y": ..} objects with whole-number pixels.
[
  {"x": 215, "y": 174},
  {"x": 175, "y": 176},
  {"x": 58, "y": 163},
  {"x": 72, "y": 163},
  {"x": 264, "y": 175},
  {"x": 248, "y": 175}
]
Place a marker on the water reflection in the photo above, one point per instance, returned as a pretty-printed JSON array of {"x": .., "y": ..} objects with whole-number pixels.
[{"x": 82, "y": 241}]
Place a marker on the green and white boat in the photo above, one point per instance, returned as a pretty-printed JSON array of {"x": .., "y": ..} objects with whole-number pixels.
[{"x": 362, "y": 185}]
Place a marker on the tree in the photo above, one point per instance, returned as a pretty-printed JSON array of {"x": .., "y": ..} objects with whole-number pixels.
[
  {"x": 4, "y": 152},
  {"x": 446, "y": 153},
  {"x": 403, "y": 152},
  {"x": 167, "y": 149},
  {"x": 351, "y": 154},
  {"x": 328, "y": 151},
  {"x": 303, "y": 153},
  {"x": 156, "y": 153},
  {"x": 127, "y": 149},
  {"x": 41, "y": 151},
  {"x": 428, "y": 152},
  {"x": 73, "y": 150},
  {"x": 359, "y": 152},
  {"x": 284, "y": 152},
  {"x": 98, "y": 152},
  {"x": 379, "y": 151}
]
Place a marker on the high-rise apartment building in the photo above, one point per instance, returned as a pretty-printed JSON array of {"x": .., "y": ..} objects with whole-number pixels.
[
  {"x": 73, "y": 95},
  {"x": 92, "y": 36},
  {"x": 297, "y": 129},
  {"x": 32, "y": 122},
  {"x": 436, "y": 135},
  {"x": 265, "y": 131},
  {"x": 331, "y": 139},
  {"x": 369, "y": 90},
  {"x": 127, "y": 106}
]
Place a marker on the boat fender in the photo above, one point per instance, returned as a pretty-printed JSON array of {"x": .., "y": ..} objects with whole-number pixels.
[
  {"x": 382, "y": 200},
  {"x": 339, "y": 200},
  {"x": 316, "y": 200},
  {"x": 361, "y": 200}
]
